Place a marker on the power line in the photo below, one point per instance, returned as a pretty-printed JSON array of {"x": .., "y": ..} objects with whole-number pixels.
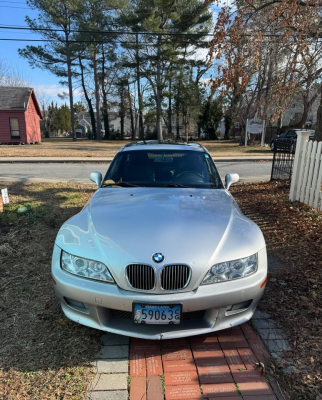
[
  {"x": 71, "y": 41},
  {"x": 109, "y": 32},
  {"x": 118, "y": 32},
  {"x": 20, "y": 8}
]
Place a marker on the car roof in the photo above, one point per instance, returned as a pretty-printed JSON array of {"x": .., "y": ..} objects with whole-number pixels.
[
  {"x": 301, "y": 130},
  {"x": 164, "y": 145}
]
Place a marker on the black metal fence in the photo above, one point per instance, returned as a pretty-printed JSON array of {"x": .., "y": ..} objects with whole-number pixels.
[{"x": 283, "y": 159}]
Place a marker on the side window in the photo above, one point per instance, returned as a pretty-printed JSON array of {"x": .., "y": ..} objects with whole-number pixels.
[{"x": 14, "y": 128}]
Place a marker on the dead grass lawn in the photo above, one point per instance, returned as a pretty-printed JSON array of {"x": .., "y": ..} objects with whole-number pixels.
[
  {"x": 42, "y": 354},
  {"x": 108, "y": 149}
]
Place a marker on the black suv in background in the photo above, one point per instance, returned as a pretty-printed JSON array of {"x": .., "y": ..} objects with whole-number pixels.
[{"x": 290, "y": 135}]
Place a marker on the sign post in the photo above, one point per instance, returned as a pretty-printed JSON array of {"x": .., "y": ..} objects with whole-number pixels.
[
  {"x": 4, "y": 199},
  {"x": 246, "y": 133}
]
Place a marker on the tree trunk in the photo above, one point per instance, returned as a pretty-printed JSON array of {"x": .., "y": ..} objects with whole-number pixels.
[
  {"x": 267, "y": 91},
  {"x": 138, "y": 78},
  {"x": 105, "y": 106},
  {"x": 228, "y": 124},
  {"x": 131, "y": 111},
  {"x": 279, "y": 124},
  {"x": 70, "y": 88},
  {"x": 159, "y": 92},
  {"x": 122, "y": 127},
  {"x": 264, "y": 132},
  {"x": 136, "y": 123},
  {"x": 170, "y": 108},
  {"x": 97, "y": 99},
  {"x": 178, "y": 107},
  {"x": 122, "y": 113},
  {"x": 177, "y": 121},
  {"x": 88, "y": 99},
  {"x": 106, "y": 118},
  {"x": 318, "y": 130}
]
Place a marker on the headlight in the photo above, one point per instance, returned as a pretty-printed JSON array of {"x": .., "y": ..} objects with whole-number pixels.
[
  {"x": 85, "y": 268},
  {"x": 231, "y": 270}
]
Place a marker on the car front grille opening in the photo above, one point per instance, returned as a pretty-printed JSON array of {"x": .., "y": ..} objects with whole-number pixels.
[
  {"x": 186, "y": 316},
  {"x": 141, "y": 276},
  {"x": 239, "y": 307},
  {"x": 192, "y": 315},
  {"x": 76, "y": 305},
  {"x": 175, "y": 277}
]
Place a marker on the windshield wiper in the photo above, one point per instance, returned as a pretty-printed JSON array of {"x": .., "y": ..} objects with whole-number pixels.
[
  {"x": 177, "y": 185},
  {"x": 121, "y": 184}
]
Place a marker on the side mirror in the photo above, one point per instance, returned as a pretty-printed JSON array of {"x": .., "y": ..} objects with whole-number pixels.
[
  {"x": 96, "y": 177},
  {"x": 230, "y": 179}
]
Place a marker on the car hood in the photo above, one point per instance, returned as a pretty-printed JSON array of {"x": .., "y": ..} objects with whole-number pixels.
[{"x": 198, "y": 227}]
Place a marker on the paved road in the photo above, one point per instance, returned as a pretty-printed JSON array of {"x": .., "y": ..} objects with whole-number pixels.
[{"x": 78, "y": 173}]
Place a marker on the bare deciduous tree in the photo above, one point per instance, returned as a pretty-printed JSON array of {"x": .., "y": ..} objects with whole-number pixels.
[{"x": 11, "y": 75}]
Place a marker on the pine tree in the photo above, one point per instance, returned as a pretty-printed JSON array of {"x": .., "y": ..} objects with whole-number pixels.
[
  {"x": 158, "y": 54},
  {"x": 56, "y": 20},
  {"x": 96, "y": 18}
]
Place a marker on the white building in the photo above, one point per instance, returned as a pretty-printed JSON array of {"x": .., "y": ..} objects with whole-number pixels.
[{"x": 84, "y": 120}]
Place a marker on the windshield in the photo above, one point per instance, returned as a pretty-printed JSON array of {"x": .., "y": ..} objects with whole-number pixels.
[{"x": 163, "y": 168}]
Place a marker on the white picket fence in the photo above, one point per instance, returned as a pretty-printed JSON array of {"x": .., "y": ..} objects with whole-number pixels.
[{"x": 307, "y": 172}]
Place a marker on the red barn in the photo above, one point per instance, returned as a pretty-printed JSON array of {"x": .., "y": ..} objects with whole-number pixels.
[{"x": 19, "y": 115}]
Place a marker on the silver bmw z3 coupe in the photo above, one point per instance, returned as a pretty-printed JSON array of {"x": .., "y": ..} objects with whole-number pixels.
[{"x": 161, "y": 250}]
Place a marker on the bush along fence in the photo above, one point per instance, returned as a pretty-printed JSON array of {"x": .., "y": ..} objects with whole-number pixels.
[{"x": 307, "y": 172}]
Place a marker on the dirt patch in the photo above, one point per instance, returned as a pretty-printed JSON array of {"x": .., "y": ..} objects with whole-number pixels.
[
  {"x": 293, "y": 295},
  {"x": 42, "y": 354}
]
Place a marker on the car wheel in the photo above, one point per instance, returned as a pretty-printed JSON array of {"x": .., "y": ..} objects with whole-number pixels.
[{"x": 272, "y": 146}]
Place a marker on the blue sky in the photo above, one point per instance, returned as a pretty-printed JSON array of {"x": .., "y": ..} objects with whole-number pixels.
[{"x": 13, "y": 12}]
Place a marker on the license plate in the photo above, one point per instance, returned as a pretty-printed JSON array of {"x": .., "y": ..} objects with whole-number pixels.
[{"x": 156, "y": 314}]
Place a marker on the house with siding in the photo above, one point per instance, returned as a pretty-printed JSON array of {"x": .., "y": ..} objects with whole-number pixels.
[
  {"x": 19, "y": 115},
  {"x": 84, "y": 120}
]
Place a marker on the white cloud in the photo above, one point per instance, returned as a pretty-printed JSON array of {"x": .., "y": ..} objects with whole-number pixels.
[
  {"x": 50, "y": 92},
  {"x": 199, "y": 54}
]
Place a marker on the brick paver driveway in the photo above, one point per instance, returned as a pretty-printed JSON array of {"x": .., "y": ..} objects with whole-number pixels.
[{"x": 223, "y": 366}]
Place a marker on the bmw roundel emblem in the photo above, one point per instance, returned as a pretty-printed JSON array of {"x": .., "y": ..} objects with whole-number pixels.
[{"x": 158, "y": 257}]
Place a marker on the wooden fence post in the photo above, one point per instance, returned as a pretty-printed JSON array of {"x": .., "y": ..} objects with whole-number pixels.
[{"x": 302, "y": 137}]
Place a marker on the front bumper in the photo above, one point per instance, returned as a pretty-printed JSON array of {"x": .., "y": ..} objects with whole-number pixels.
[{"x": 205, "y": 309}]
